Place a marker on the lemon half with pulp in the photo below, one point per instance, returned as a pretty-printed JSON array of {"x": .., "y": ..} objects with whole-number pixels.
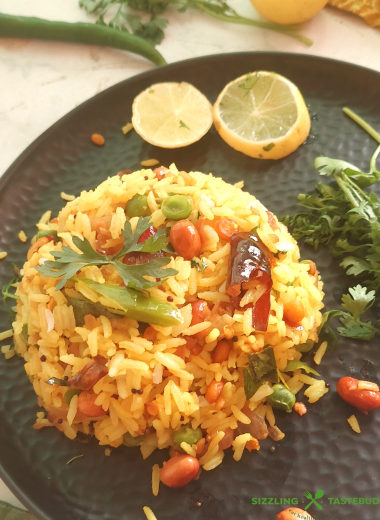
[
  {"x": 263, "y": 115},
  {"x": 171, "y": 115}
]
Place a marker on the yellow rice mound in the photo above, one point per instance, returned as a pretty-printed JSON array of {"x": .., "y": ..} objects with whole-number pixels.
[{"x": 133, "y": 361}]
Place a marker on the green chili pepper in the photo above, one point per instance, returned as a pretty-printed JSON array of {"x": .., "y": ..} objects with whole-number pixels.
[
  {"x": 45, "y": 233},
  {"x": 282, "y": 398},
  {"x": 137, "y": 305},
  {"x": 130, "y": 441},
  {"x": 186, "y": 434},
  {"x": 83, "y": 307},
  {"x": 90, "y": 33},
  {"x": 177, "y": 207},
  {"x": 138, "y": 206},
  {"x": 70, "y": 394}
]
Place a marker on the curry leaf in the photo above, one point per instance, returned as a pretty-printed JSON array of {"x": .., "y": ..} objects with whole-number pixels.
[
  {"x": 261, "y": 368},
  {"x": 250, "y": 384}
]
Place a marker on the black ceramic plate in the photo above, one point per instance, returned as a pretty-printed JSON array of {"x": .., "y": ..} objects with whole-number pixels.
[{"x": 320, "y": 451}]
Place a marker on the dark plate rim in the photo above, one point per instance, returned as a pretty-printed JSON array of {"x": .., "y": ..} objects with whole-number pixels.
[{"x": 32, "y": 507}]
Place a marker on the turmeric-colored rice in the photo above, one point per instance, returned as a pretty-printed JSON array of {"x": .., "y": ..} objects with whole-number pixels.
[{"x": 143, "y": 372}]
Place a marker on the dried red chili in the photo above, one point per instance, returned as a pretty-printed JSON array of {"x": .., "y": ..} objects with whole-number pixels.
[{"x": 248, "y": 262}]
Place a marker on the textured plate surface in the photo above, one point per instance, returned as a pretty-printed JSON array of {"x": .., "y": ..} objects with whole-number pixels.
[{"x": 320, "y": 451}]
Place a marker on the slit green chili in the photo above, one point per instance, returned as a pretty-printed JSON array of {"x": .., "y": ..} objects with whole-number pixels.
[{"x": 89, "y": 33}]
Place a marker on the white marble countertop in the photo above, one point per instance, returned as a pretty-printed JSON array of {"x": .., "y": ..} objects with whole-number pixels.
[{"x": 40, "y": 82}]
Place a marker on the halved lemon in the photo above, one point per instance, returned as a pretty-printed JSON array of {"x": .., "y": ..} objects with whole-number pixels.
[
  {"x": 263, "y": 115},
  {"x": 171, "y": 115}
]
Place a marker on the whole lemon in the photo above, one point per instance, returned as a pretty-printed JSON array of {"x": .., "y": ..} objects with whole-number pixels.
[{"x": 287, "y": 12}]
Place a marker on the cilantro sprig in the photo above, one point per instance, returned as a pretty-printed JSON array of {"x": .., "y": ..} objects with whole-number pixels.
[
  {"x": 345, "y": 217},
  {"x": 139, "y": 17},
  {"x": 9, "y": 289},
  {"x": 200, "y": 266},
  {"x": 356, "y": 303},
  {"x": 68, "y": 262}
]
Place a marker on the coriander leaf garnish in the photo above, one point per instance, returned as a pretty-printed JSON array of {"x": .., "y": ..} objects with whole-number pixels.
[
  {"x": 6, "y": 290},
  {"x": 128, "y": 15},
  {"x": 358, "y": 301},
  {"x": 200, "y": 267},
  {"x": 68, "y": 262},
  {"x": 183, "y": 125},
  {"x": 268, "y": 147},
  {"x": 345, "y": 217}
]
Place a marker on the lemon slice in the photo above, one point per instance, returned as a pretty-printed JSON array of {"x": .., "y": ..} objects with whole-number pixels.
[
  {"x": 263, "y": 115},
  {"x": 171, "y": 115}
]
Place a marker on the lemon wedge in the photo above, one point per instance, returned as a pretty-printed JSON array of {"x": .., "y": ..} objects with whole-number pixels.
[
  {"x": 263, "y": 115},
  {"x": 171, "y": 115}
]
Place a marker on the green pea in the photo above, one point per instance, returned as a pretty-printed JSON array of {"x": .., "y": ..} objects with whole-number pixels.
[
  {"x": 186, "y": 434},
  {"x": 282, "y": 398},
  {"x": 70, "y": 394},
  {"x": 177, "y": 207},
  {"x": 138, "y": 206},
  {"x": 131, "y": 442}
]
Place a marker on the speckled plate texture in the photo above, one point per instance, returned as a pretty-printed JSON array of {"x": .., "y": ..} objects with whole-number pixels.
[{"x": 320, "y": 451}]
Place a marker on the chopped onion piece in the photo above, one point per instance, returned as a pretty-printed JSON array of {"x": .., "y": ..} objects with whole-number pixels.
[{"x": 50, "y": 320}]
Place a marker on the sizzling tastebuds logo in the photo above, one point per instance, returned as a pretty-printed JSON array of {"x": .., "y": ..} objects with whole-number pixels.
[
  {"x": 315, "y": 500},
  {"x": 318, "y": 494}
]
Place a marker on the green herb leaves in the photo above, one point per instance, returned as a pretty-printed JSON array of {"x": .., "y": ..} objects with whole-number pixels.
[
  {"x": 356, "y": 303},
  {"x": 261, "y": 368},
  {"x": 130, "y": 15},
  {"x": 346, "y": 218},
  {"x": 199, "y": 266},
  {"x": 68, "y": 262},
  {"x": 7, "y": 288},
  {"x": 124, "y": 19}
]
